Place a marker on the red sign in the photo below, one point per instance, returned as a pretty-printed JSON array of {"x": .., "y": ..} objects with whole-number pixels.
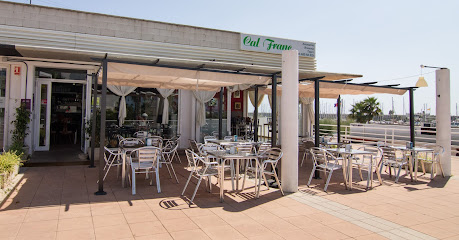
[
  {"x": 17, "y": 70},
  {"x": 44, "y": 101}
]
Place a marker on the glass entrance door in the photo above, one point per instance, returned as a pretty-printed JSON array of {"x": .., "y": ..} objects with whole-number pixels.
[{"x": 43, "y": 115}]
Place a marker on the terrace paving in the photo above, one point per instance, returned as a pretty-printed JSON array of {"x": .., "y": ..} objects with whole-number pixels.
[{"x": 59, "y": 203}]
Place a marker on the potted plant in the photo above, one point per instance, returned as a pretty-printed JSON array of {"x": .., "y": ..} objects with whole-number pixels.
[
  {"x": 88, "y": 130},
  {"x": 21, "y": 125},
  {"x": 9, "y": 166}
]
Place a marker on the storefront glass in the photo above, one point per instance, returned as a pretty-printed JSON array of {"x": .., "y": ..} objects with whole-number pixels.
[{"x": 144, "y": 110}]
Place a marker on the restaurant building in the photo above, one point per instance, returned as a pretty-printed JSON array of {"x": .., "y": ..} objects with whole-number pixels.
[{"x": 48, "y": 56}]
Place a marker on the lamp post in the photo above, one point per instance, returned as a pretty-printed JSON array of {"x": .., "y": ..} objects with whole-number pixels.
[{"x": 443, "y": 114}]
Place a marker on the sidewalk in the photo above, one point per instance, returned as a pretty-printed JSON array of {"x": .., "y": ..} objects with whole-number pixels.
[{"x": 58, "y": 203}]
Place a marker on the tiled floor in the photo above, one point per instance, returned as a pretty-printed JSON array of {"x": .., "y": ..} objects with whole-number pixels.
[{"x": 59, "y": 203}]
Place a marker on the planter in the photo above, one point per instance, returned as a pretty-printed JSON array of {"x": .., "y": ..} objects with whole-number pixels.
[
  {"x": 6, "y": 178},
  {"x": 96, "y": 153},
  {"x": 25, "y": 154}
]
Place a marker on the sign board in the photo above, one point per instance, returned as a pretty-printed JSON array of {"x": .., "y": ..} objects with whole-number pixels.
[
  {"x": 276, "y": 45},
  {"x": 17, "y": 70},
  {"x": 25, "y": 103}
]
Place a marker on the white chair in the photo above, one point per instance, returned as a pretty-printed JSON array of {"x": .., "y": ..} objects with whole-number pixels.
[
  {"x": 141, "y": 134},
  {"x": 130, "y": 142},
  {"x": 194, "y": 146},
  {"x": 391, "y": 160},
  {"x": 368, "y": 162},
  {"x": 228, "y": 138},
  {"x": 145, "y": 160},
  {"x": 306, "y": 145},
  {"x": 166, "y": 159},
  {"x": 171, "y": 143},
  {"x": 156, "y": 141},
  {"x": 203, "y": 148},
  {"x": 112, "y": 157},
  {"x": 200, "y": 169},
  {"x": 263, "y": 147},
  {"x": 207, "y": 138},
  {"x": 325, "y": 161},
  {"x": 268, "y": 167},
  {"x": 434, "y": 160}
]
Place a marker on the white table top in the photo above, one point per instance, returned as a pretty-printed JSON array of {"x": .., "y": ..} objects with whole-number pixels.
[
  {"x": 352, "y": 151},
  {"x": 224, "y": 154},
  {"x": 415, "y": 149}
]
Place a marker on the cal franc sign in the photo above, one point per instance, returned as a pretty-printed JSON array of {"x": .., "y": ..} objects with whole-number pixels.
[{"x": 276, "y": 45}]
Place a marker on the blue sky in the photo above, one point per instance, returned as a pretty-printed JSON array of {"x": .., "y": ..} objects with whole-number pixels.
[{"x": 382, "y": 40}]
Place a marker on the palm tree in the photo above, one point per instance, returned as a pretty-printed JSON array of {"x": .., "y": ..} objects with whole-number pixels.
[{"x": 365, "y": 110}]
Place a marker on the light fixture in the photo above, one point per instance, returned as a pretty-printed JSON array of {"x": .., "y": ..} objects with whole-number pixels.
[{"x": 421, "y": 81}]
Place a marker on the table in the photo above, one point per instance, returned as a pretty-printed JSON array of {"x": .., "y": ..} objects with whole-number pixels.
[
  {"x": 414, "y": 152},
  {"x": 337, "y": 144},
  {"x": 225, "y": 143},
  {"x": 125, "y": 150},
  {"x": 223, "y": 156},
  {"x": 348, "y": 165}
]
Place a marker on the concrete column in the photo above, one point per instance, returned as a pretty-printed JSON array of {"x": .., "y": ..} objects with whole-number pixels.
[
  {"x": 443, "y": 115},
  {"x": 289, "y": 120}
]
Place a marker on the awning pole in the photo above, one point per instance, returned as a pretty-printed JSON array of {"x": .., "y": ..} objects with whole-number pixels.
[
  {"x": 338, "y": 118},
  {"x": 274, "y": 112},
  {"x": 94, "y": 120},
  {"x": 412, "y": 137},
  {"x": 316, "y": 120},
  {"x": 103, "y": 106},
  {"x": 220, "y": 114},
  {"x": 316, "y": 112},
  {"x": 255, "y": 116}
]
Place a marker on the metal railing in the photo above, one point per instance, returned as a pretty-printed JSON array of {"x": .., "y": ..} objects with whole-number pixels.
[{"x": 389, "y": 134}]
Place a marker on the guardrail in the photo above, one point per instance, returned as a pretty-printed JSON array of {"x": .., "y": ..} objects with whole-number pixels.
[{"x": 390, "y": 134}]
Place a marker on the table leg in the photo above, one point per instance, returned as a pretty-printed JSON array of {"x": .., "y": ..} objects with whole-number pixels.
[
  {"x": 349, "y": 167},
  {"x": 222, "y": 178},
  {"x": 258, "y": 169},
  {"x": 123, "y": 171},
  {"x": 345, "y": 172},
  {"x": 237, "y": 174},
  {"x": 410, "y": 162},
  {"x": 256, "y": 176},
  {"x": 415, "y": 166}
]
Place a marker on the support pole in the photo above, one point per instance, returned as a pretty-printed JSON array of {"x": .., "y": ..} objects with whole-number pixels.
[
  {"x": 220, "y": 114},
  {"x": 274, "y": 111},
  {"x": 94, "y": 120},
  {"x": 338, "y": 118},
  {"x": 103, "y": 106},
  {"x": 255, "y": 116},
  {"x": 443, "y": 116},
  {"x": 412, "y": 136},
  {"x": 289, "y": 121},
  {"x": 228, "y": 112},
  {"x": 316, "y": 120},
  {"x": 316, "y": 112}
]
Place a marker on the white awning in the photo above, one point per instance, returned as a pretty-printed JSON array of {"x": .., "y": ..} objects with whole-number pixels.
[
  {"x": 333, "y": 90},
  {"x": 175, "y": 78}
]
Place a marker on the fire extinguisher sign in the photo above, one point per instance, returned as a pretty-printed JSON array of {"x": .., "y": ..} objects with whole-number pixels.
[{"x": 17, "y": 70}]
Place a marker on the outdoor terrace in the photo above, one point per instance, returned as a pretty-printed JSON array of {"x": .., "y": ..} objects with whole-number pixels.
[{"x": 59, "y": 203}]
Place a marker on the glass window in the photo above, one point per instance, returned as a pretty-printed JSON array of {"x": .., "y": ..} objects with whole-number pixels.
[
  {"x": 56, "y": 73},
  {"x": 144, "y": 111},
  {"x": 212, "y": 109}
]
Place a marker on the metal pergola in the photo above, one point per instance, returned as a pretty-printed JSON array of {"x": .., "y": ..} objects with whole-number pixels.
[{"x": 274, "y": 76}]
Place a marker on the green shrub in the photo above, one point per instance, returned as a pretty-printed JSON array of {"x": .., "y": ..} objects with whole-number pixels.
[{"x": 8, "y": 160}]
